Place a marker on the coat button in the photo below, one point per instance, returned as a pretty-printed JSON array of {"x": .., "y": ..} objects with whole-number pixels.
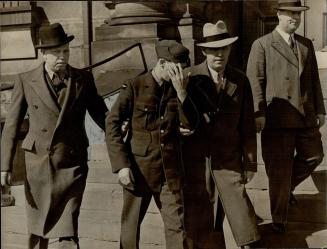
[
  {"x": 44, "y": 130},
  {"x": 145, "y": 109},
  {"x": 162, "y": 144},
  {"x": 162, "y": 131},
  {"x": 35, "y": 106},
  {"x": 161, "y": 117},
  {"x": 287, "y": 78},
  {"x": 289, "y": 97}
]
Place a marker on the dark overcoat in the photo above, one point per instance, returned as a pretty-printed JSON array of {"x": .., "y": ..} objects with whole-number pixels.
[
  {"x": 152, "y": 150},
  {"x": 55, "y": 148},
  {"x": 274, "y": 71},
  {"x": 226, "y": 137}
]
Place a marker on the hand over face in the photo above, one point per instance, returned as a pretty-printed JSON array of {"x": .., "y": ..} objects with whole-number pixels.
[{"x": 175, "y": 72}]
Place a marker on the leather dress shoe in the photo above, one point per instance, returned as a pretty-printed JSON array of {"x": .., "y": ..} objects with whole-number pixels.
[
  {"x": 278, "y": 227},
  {"x": 293, "y": 201}
]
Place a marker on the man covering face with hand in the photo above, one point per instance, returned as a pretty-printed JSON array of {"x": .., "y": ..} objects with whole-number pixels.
[{"x": 148, "y": 163}]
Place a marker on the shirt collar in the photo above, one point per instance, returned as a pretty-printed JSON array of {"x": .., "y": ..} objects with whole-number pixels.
[
  {"x": 52, "y": 73},
  {"x": 49, "y": 71},
  {"x": 214, "y": 75},
  {"x": 156, "y": 78},
  {"x": 284, "y": 35}
]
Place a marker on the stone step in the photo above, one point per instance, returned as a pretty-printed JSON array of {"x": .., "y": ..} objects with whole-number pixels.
[
  {"x": 19, "y": 241},
  {"x": 93, "y": 224},
  {"x": 311, "y": 206},
  {"x": 100, "y": 172},
  {"x": 316, "y": 182},
  {"x": 97, "y": 196}
]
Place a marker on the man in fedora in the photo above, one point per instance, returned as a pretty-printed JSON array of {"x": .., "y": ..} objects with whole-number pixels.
[
  {"x": 289, "y": 107},
  {"x": 226, "y": 137},
  {"x": 148, "y": 162},
  {"x": 55, "y": 96}
]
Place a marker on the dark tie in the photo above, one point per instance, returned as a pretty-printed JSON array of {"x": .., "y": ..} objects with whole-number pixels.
[
  {"x": 60, "y": 87},
  {"x": 220, "y": 83},
  {"x": 293, "y": 45}
]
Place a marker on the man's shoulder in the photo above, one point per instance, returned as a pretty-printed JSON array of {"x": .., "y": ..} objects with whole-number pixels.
[
  {"x": 197, "y": 69},
  {"x": 236, "y": 75},
  {"x": 265, "y": 39},
  {"x": 80, "y": 72},
  {"x": 31, "y": 72},
  {"x": 139, "y": 80}
]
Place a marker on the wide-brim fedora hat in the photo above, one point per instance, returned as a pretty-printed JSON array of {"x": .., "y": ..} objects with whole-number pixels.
[
  {"x": 53, "y": 35},
  {"x": 216, "y": 35},
  {"x": 291, "y": 5}
]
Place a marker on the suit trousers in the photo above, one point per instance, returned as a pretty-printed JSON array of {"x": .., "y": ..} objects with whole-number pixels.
[
  {"x": 170, "y": 205},
  {"x": 236, "y": 205},
  {"x": 199, "y": 204},
  {"x": 38, "y": 242},
  {"x": 285, "y": 168}
]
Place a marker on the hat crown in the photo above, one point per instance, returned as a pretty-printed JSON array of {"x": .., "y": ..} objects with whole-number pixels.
[
  {"x": 210, "y": 29},
  {"x": 291, "y": 5},
  {"x": 172, "y": 50},
  {"x": 53, "y": 35}
]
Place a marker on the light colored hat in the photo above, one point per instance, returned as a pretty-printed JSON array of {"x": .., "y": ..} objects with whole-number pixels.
[
  {"x": 291, "y": 5},
  {"x": 216, "y": 35}
]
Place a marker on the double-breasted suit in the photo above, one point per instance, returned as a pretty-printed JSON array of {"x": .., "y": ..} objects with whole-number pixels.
[
  {"x": 55, "y": 147},
  {"x": 287, "y": 93},
  {"x": 227, "y": 138}
]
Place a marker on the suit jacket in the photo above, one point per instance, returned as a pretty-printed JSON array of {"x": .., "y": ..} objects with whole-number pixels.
[
  {"x": 152, "y": 150},
  {"x": 286, "y": 90},
  {"x": 55, "y": 147},
  {"x": 230, "y": 137}
]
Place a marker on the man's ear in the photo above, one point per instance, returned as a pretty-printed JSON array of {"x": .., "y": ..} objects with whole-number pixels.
[
  {"x": 203, "y": 50},
  {"x": 161, "y": 62}
]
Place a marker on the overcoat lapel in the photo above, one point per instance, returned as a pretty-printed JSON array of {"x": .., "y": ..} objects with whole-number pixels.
[
  {"x": 303, "y": 53},
  {"x": 40, "y": 87},
  {"x": 72, "y": 92},
  {"x": 282, "y": 47}
]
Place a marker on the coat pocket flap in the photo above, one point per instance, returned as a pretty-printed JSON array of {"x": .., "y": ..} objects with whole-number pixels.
[
  {"x": 140, "y": 142},
  {"x": 145, "y": 107},
  {"x": 28, "y": 143}
]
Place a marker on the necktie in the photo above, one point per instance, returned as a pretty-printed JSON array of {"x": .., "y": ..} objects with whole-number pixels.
[
  {"x": 292, "y": 44},
  {"x": 220, "y": 82},
  {"x": 59, "y": 86}
]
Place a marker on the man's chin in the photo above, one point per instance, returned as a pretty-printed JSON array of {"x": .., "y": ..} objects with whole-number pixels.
[{"x": 61, "y": 67}]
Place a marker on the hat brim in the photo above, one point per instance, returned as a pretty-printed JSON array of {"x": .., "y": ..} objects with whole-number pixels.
[
  {"x": 295, "y": 9},
  {"x": 218, "y": 44},
  {"x": 68, "y": 39}
]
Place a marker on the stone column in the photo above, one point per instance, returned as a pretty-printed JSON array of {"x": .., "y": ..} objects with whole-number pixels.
[
  {"x": 130, "y": 22},
  {"x": 191, "y": 18}
]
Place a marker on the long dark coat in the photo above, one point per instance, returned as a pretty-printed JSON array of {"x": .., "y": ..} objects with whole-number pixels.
[
  {"x": 152, "y": 149},
  {"x": 55, "y": 148},
  {"x": 226, "y": 137}
]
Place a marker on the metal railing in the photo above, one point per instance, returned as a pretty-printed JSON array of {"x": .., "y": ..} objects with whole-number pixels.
[{"x": 138, "y": 44}]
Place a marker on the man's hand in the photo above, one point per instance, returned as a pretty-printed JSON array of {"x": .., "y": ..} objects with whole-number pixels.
[
  {"x": 178, "y": 80},
  {"x": 320, "y": 119},
  {"x": 248, "y": 176},
  {"x": 125, "y": 176},
  {"x": 260, "y": 123},
  {"x": 185, "y": 132},
  {"x": 5, "y": 179}
]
